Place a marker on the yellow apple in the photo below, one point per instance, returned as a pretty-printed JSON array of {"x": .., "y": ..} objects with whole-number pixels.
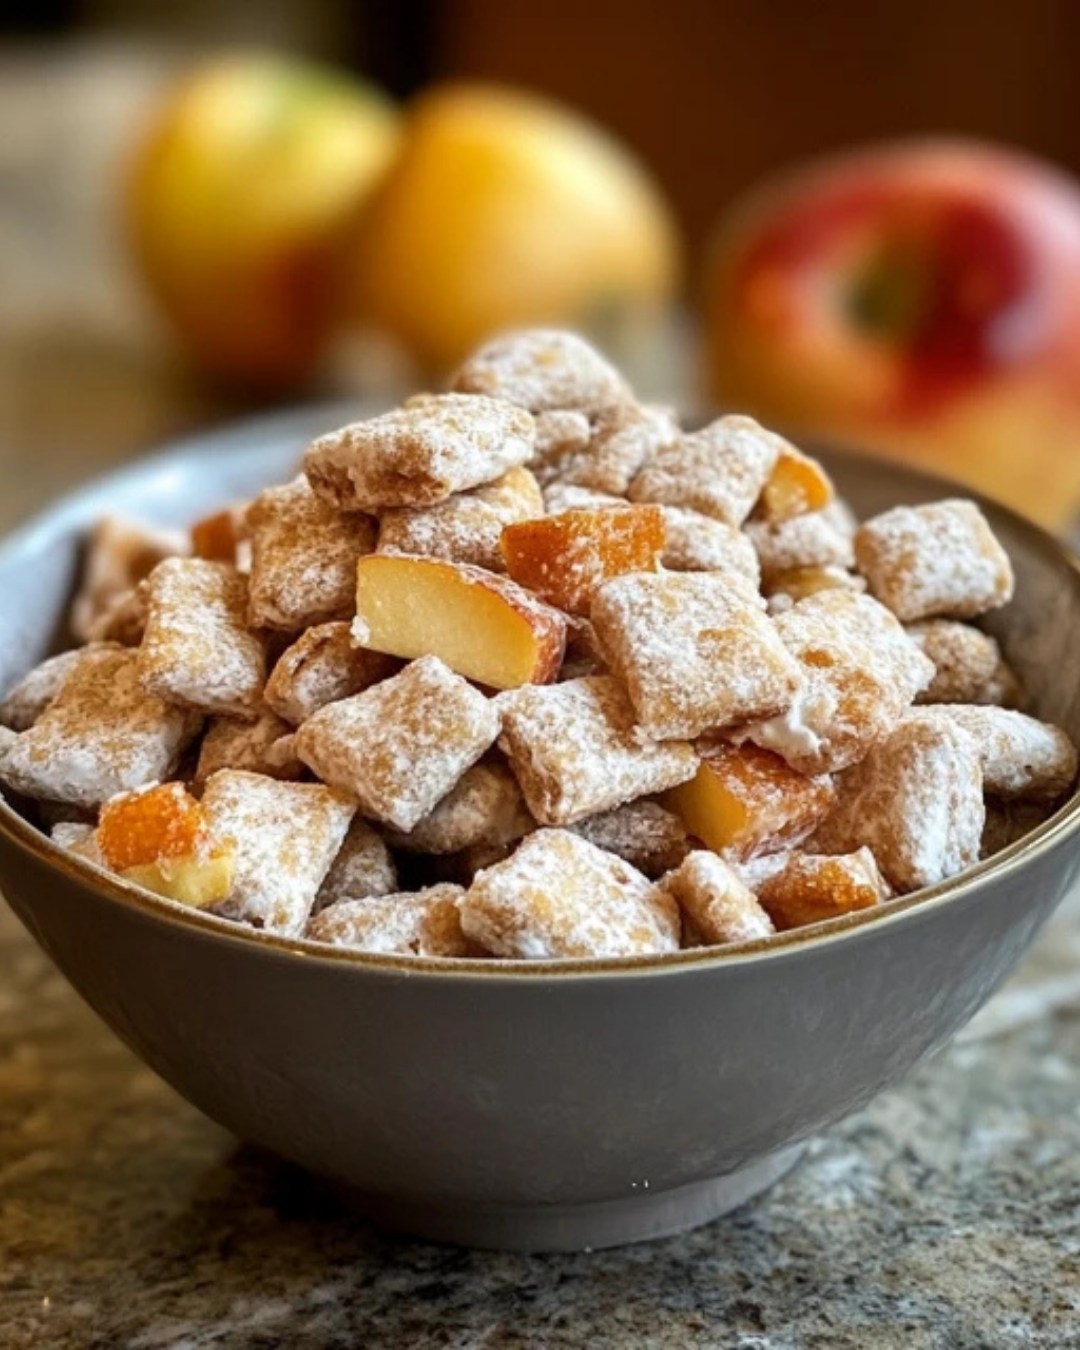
[
  {"x": 503, "y": 209},
  {"x": 238, "y": 198},
  {"x": 921, "y": 300}
]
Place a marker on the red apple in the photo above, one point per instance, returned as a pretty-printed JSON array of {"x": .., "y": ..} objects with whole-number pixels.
[{"x": 922, "y": 300}]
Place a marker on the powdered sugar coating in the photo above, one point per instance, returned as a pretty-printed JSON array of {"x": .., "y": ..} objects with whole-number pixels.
[
  {"x": 785, "y": 589},
  {"x": 124, "y": 619},
  {"x": 303, "y": 557},
  {"x": 78, "y": 838},
  {"x": 561, "y": 435},
  {"x": 560, "y": 497},
  {"x": 361, "y": 868},
  {"x": 718, "y": 471},
  {"x": 320, "y": 667},
  {"x": 120, "y": 553},
  {"x": 916, "y": 801},
  {"x": 720, "y": 906},
  {"x": 27, "y": 699},
  {"x": 485, "y": 804},
  {"x": 559, "y": 897},
  {"x": 697, "y": 543},
  {"x": 861, "y": 672},
  {"x": 542, "y": 369},
  {"x": 400, "y": 746},
  {"x": 285, "y": 836},
  {"x": 642, "y": 833},
  {"x": 812, "y": 887},
  {"x": 465, "y": 528},
  {"x": 695, "y": 651},
  {"x": 418, "y": 923},
  {"x": 574, "y": 750},
  {"x": 936, "y": 560},
  {"x": 236, "y": 743},
  {"x": 198, "y": 650},
  {"x": 625, "y": 437},
  {"x": 968, "y": 664},
  {"x": 417, "y": 455},
  {"x": 102, "y": 734},
  {"x": 1021, "y": 757},
  {"x": 817, "y": 539}
]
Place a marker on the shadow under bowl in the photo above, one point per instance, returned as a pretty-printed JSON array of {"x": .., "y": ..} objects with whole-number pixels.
[{"x": 519, "y": 1106}]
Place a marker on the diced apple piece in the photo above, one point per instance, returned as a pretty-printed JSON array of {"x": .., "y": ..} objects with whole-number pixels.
[
  {"x": 566, "y": 557},
  {"x": 485, "y": 627},
  {"x": 812, "y": 887},
  {"x": 216, "y": 537},
  {"x": 745, "y": 801},
  {"x": 797, "y": 485},
  {"x": 159, "y": 839}
]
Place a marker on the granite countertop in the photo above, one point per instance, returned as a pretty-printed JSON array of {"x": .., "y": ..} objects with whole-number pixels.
[{"x": 945, "y": 1216}]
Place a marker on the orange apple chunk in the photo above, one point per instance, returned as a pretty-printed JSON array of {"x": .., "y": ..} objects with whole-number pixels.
[
  {"x": 566, "y": 557},
  {"x": 485, "y": 627},
  {"x": 159, "y": 839},
  {"x": 745, "y": 801},
  {"x": 797, "y": 484}
]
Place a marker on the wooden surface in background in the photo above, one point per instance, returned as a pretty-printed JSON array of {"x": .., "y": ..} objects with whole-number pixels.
[{"x": 715, "y": 93}]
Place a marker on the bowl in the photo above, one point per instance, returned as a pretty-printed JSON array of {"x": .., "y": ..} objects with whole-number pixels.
[{"x": 530, "y": 1106}]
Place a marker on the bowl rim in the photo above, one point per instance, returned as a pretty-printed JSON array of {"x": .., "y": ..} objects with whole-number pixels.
[{"x": 247, "y": 433}]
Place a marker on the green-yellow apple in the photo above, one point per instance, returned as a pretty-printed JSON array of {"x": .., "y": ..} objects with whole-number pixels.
[
  {"x": 504, "y": 209},
  {"x": 239, "y": 196},
  {"x": 922, "y": 300}
]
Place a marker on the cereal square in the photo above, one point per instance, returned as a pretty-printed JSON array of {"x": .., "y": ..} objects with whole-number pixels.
[
  {"x": 695, "y": 651},
  {"x": 642, "y": 833},
  {"x": 102, "y": 734},
  {"x": 436, "y": 445},
  {"x": 719, "y": 906},
  {"x": 558, "y": 896},
  {"x": 418, "y": 923},
  {"x": 400, "y": 746},
  {"x": 968, "y": 664},
  {"x": 625, "y": 437},
  {"x": 817, "y": 539},
  {"x": 718, "y": 471},
  {"x": 861, "y": 672},
  {"x": 940, "y": 560},
  {"x": 574, "y": 751},
  {"x": 320, "y": 667},
  {"x": 28, "y": 698},
  {"x": 542, "y": 369},
  {"x": 120, "y": 553},
  {"x": 467, "y": 527},
  {"x": 697, "y": 543},
  {"x": 916, "y": 801},
  {"x": 1021, "y": 757},
  {"x": 285, "y": 837},
  {"x": 238, "y": 743},
  {"x": 198, "y": 650},
  {"x": 362, "y": 867},
  {"x": 303, "y": 558},
  {"x": 484, "y": 805}
]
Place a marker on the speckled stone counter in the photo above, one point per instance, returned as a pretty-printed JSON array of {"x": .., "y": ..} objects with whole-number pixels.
[{"x": 947, "y": 1215}]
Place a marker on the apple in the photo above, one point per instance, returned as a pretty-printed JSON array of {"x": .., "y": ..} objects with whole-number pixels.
[
  {"x": 921, "y": 300},
  {"x": 504, "y": 210},
  {"x": 237, "y": 200}
]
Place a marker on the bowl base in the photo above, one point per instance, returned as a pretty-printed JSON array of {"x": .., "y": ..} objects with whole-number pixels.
[{"x": 640, "y": 1217}]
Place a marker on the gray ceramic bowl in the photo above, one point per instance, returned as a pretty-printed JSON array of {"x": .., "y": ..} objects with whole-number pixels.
[{"x": 528, "y": 1107}]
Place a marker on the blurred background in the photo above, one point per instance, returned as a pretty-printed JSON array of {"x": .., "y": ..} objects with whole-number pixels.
[{"x": 127, "y": 312}]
